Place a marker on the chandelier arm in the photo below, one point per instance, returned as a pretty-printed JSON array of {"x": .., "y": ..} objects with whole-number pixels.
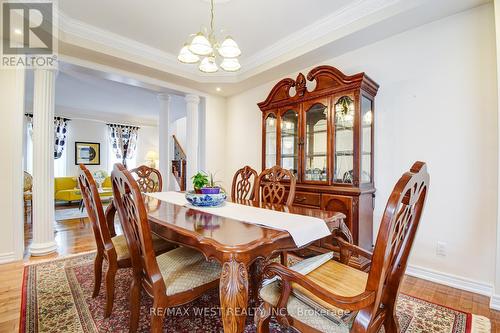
[{"x": 211, "y": 17}]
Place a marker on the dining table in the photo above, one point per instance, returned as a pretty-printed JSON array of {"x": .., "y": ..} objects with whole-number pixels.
[{"x": 241, "y": 247}]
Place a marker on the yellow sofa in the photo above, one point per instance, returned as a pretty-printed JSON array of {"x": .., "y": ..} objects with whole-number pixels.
[{"x": 66, "y": 189}]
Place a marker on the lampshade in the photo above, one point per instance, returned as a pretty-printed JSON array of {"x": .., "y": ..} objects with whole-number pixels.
[
  {"x": 187, "y": 56},
  {"x": 230, "y": 64},
  {"x": 151, "y": 156},
  {"x": 200, "y": 45},
  {"x": 229, "y": 48},
  {"x": 208, "y": 65}
]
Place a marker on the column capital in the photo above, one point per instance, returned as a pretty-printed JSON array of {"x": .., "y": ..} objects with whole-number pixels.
[
  {"x": 194, "y": 99},
  {"x": 164, "y": 97},
  {"x": 54, "y": 70}
]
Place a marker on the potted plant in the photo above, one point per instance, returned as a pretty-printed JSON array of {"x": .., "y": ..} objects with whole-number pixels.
[
  {"x": 211, "y": 187},
  {"x": 200, "y": 180}
]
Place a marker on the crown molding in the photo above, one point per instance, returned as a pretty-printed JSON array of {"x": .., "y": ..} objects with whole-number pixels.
[
  {"x": 345, "y": 16},
  {"x": 296, "y": 44}
]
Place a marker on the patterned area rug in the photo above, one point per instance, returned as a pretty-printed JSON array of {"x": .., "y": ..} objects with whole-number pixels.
[{"x": 57, "y": 298}]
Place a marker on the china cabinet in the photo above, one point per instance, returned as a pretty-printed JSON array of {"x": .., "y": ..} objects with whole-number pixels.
[{"x": 321, "y": 129}]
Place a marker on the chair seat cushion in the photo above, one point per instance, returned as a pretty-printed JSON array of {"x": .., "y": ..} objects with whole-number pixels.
[
  {"x": 323, "y": 321},
  {"x": 184, "y": 269},
  {"x": 121, "y": 248},
  {"x": 333, "y": 276}
]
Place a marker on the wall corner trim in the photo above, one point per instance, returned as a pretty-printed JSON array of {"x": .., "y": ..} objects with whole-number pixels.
[
  {"x": 495, "y": 302},
  {"x": 450, "y": 280}
]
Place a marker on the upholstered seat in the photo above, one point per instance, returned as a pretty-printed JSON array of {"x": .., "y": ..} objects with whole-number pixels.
[
  {"x": 120, "y": 244},
  {"x": 334, "y": 323},
  {"x": 335, "y": 277},
  {"x": 184, "y": 269}
]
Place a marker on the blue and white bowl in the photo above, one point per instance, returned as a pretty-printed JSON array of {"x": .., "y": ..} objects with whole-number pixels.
[{"x": 206, "y": 200}]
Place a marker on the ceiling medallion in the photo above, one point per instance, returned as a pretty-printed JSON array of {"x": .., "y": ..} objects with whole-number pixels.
[{"x": 203, "y": 48}]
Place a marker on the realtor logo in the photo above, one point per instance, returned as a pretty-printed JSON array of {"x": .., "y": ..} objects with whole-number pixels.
[{"x": 28, "y": 34}]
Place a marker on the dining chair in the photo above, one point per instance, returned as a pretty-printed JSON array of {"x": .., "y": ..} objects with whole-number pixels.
[
  {"x": 339, "y": 298},
  {"x": 149, "y": 179},
  {"x": 172, "y": 278},
  {"x": 243, "y": 184},
  {"x": 27, "y": 191},
  {"x": 113, "y": 250},
  {"x": 270, "y": 188}
]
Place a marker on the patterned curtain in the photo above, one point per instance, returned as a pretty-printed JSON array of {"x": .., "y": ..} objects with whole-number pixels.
[
  {"x": 60, "y": 133},
  {"x": 29, "y": 120},
  {"x": 123, "y": 140}
]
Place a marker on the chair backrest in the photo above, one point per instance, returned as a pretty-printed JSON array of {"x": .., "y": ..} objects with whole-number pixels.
[
  {"x": 395, "y": 237},
  {"x": 134, "y": 219},
  {"x": 148, "y": 179},
  {"x": 243, "y": 184},
  {"x": 94, "y": 208},
  {"x": 28, "y": 182},
  {"x": 269, "y": 187}
]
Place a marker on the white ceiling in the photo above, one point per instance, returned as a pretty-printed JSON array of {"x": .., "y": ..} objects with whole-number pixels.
[
  {"x": 165, "y": 25},
  {"x": 277, "y": 37},
  {"x": 89, "y": 96}
]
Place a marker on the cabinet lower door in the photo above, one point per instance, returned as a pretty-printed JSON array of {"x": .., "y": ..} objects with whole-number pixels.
[{"x": 342, "y": 204}]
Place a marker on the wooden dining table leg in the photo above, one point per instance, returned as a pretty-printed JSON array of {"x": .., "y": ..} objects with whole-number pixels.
[{"x": 233, "y": 292}]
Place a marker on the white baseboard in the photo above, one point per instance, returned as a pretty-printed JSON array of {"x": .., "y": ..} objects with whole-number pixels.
[
  {"x": 7, "y": 257},
  {"x": 450, "y": 280},
  {"x": 495, "y": 302}
]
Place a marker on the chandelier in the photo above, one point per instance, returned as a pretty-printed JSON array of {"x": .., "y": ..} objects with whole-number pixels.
[{"x": 203, "y": 48}]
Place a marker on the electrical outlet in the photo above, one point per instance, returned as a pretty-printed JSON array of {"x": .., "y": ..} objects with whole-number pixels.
[{"x": 441, "y": 249}]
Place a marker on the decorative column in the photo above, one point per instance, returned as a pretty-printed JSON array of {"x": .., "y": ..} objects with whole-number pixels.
[
  {"x": 192, "y": 107},
  {"x": 165, "y": 146},
  {"x": 43, "y": 162}
]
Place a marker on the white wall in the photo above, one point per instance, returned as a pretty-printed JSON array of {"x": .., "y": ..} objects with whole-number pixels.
[
  {"x": 215, "y": 139},
  {"x": 11, "y": 168},
  {"x": 82, "y": 130},
  {"x": 147, "y": 140},
  {"x": 436, "y": 103}
]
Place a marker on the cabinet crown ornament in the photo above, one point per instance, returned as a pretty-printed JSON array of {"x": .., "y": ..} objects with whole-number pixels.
[{"x": 328, "y": 80}]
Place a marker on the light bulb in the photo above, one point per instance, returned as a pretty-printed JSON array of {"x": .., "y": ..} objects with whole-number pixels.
[
  {"x": 229, "y": 48},
  {"x": 187, "y": 56},
  {"x": 230, "y": 64},
  {"x": 208, "y": 65},
  {"x": 200, "y": 45}
]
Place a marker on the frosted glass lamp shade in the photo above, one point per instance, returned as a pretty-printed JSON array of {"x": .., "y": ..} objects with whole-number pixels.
[
  {"x": 200, "y": 45},
  {"x": 230, "y": 64},
  {"x": 208, "y": 65},
  {"x": 229, "y": 48},
  {"x": 187, "y": 56}
]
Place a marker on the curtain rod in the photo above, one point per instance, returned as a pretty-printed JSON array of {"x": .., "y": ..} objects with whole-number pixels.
[
  {"x": 121, "y": 125},
  {"x": 30, "y": 115}
]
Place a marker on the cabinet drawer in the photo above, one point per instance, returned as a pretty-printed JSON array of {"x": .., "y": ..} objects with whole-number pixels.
[{"x": 309, "y": 199}]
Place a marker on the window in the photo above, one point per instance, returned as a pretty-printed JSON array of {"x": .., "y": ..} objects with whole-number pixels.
[{"x": 131, "y": 163}]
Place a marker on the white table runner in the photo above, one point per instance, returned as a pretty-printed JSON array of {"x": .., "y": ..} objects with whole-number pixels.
[{"x": 303, "y": 229}]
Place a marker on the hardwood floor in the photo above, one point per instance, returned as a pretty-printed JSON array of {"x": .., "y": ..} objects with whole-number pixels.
[{"x": 75, "y": 236}]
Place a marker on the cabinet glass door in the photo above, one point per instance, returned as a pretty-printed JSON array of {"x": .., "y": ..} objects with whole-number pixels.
[
  {"x": 290, "y": 141},
  {"x": 270, "y": 133},
  {"x": 344, "y": 140},
  {"x": 316, "y": 143},
  {"x": 366, "y": 139}
]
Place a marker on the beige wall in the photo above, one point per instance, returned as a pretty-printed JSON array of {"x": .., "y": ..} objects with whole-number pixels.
[{"x": 436, "y": 103}]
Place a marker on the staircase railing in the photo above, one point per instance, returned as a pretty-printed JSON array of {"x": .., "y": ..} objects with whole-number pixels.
[{"x": 179, "y": 164}]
